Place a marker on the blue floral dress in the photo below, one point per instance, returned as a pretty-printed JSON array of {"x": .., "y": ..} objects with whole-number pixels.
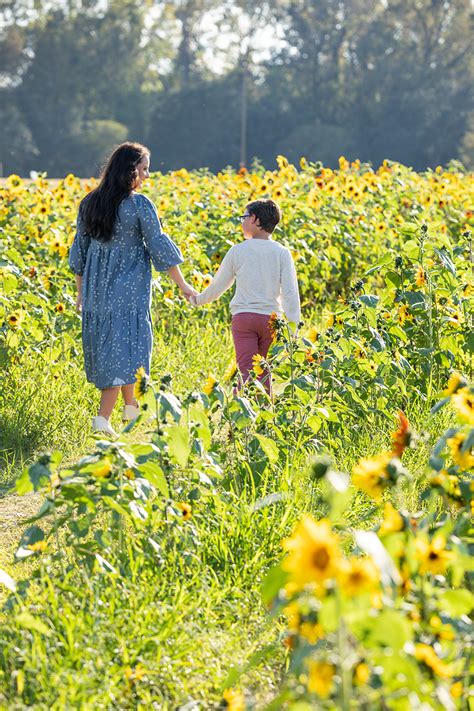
[{"x": 116, "y": 291}]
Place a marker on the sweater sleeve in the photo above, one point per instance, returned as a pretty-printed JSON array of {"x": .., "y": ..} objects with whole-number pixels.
[
  {"x": 290, "y": 296},
  {"x": 80, "y": 247},
  {"x": 223, "y": 280}
]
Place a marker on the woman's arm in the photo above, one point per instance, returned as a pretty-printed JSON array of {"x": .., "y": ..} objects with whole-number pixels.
[{"x": 175, "y": 275}]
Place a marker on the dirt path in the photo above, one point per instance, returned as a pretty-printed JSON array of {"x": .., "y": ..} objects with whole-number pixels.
[{"x": 14, "y": 511}]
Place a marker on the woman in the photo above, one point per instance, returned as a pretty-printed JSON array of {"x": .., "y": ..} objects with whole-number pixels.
[{"x": 118, "y": 238}]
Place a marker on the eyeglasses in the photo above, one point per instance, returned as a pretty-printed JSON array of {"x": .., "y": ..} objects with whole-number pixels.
[{"x": 243, "y": 217}]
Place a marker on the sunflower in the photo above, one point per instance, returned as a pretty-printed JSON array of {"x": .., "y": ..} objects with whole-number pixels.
[
  {"x": 361, "y": 674},
  {"x": 282, "y": 162},
  {"x": 233, "y": 700},
  {"x": 14, "y": 319},
  {"x": 311, "y": 631},
  {"x": 464, "y": 459},
  {"x": 392, "y": 521},
  {"x": 206, "y": 280},
  {"x": 230, "y": 371},
  {"x": 433, "y": 556},
  {"x": 455, "y": 382},
  {"x": 256, "y": 364},
  {"x": 404, "y": 314},
  {"x": 420, "y": 276},
  {"x": 426, "y": 654},
  {"x": 210, "y": 384},
  {"x": 371, "y": 475},
  {"x": 343, "y": 163},
  {"x": 275, "y": 324},
  {"x": 313, "y": 552},
  {"x": 14, "y": 181},
  {"x": 104, "y": 470},
  {"x": 402, "y": 437},
  {"x": 328, "y": 319},
  {"x": 463, "y": 401},
  {"x": 60, "y": 308},
  {"x": 186, "y": 510},
  {"x": 142, "y": 382},
  {"x": 320, "y": 678},
  {"x": 358, "y": 575}
]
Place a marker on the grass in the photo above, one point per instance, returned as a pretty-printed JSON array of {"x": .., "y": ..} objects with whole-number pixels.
[{"x": 166, "y": 636}]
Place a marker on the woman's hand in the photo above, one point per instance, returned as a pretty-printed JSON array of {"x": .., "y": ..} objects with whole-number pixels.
[
  {"x": 79, "y": 303},
  {"x": 189, "y": 293},
  {"x": 186, "y": 289}
]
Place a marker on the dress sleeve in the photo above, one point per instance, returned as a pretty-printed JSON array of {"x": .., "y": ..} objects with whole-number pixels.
[
  {"x": 290, "y": 296},
  {"x": 163, "y": 252},
  {"x": 79, "y": 247},
  {"x": 222, "y": 280}
]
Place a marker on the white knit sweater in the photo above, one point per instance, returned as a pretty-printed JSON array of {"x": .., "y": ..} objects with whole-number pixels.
[{"x": 265, "y": 277}]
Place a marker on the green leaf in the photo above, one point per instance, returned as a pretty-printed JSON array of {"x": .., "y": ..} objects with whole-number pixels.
[
  {"x": 393, "y": 277},
  {"x": 275, "y": 579},
  {"x": 390, "y": 629},
  {"x": 315, "y": 422},
  {"x": 398, "y": 332},
  {"x": 179, "y": 445},
  {"x": 329, "y": 615},
  {"x": 169, "y": 403},
  {"x": 439, "y": 405},
  {"x": 28, "y": 622},
  {"x": 154, "y": 473},
  {"x": 269, "y": 447},
  {"x": 115, "y": 506},
  {"x": 369, "y": 300},
  {"x": 9, "y": 283},
  {"x": 33, "y": 534},
  {"x": 386, "y": 259},
  {"x": 411, "y": 248},
  {"x": 328, "y": 414},
  {"x": 457, "y": 602},
  {"x": 23, "y": 484}
]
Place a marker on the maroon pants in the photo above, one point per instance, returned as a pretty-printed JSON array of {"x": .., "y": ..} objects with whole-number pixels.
[{"x": 251, "y": 333}]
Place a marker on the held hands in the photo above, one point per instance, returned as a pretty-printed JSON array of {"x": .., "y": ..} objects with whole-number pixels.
[{"x": 190, "y": 294}]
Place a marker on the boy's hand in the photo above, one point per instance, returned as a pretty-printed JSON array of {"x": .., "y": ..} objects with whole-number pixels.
[
  {"x": 193, "y": 300},
  {"x": 188, "y": 292}
]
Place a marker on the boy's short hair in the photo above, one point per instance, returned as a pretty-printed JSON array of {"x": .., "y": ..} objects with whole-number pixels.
[{"x": 267, "y": 212}]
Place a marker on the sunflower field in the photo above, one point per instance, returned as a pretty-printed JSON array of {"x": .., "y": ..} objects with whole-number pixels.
[{"x": 229, "y": 551}]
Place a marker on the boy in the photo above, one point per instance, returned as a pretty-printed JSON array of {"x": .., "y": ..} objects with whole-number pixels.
[{"x": 266, "y": 283}]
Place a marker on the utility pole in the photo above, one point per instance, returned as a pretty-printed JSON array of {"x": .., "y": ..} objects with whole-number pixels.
[{"x": 244, "y": 66}]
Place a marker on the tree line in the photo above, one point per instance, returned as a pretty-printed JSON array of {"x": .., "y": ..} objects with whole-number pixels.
[{"x": 211, "y": 84}]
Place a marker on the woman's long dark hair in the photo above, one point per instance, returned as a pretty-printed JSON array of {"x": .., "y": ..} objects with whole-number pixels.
[{"x": 99, "y": 209}]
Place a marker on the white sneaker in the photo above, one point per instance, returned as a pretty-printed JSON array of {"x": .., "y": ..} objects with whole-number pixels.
[
  {"x": 130, "y": 412},
  {"x": 101, "y": 424}
]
